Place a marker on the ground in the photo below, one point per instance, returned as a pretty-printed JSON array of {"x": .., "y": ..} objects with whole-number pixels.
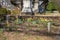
[
  {"x": 22, "y": 36},
  {"x": 31, "y": 33}
]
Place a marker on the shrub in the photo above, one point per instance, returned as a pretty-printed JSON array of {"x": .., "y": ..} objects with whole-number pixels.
[
  {"x": 58, "y": 9},
  {"x": 51, "y": 6},
  {"x": 4, "y": 11}
]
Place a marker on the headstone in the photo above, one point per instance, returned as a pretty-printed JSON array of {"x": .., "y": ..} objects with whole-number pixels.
[{"x": 27, "y": 5}]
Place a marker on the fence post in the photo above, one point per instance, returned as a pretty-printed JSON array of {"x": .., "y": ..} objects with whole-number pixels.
[
  {"x": 7, "y": 20},
  {"x": 49, "y": 26},
  {"x": 16, "y": 18}
]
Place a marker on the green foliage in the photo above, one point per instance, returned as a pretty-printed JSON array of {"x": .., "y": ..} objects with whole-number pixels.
[
  {"x": 33, "y": 22},
  {"x": 37, "y": 21},
  {"x": 51, "y": 6},
  {"x": 8, "y": 12},
  {"x": 19, "y": 21},
  {"x": 29, "y": 20},
  {"x": 4, "y": 11},
  {"x": 58, "y": 9}
]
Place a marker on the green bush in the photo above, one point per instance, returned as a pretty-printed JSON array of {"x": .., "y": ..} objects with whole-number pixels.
[
  {"x": 51, "y": 6},
  {"x": 4, "y": 11},
  {"x": 58, "y": 9}
]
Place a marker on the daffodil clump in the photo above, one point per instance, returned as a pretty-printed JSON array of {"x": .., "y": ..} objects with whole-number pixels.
[
  {"x": 38, "y": 20},
  {"x": 29, "y": 19},
  {"x": 43, "y": 19}
]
